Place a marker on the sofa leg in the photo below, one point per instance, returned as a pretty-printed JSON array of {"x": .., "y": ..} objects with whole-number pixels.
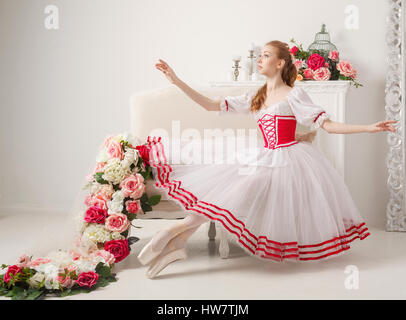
[
  {"x": 212, "y": 231},
  {"x": 224, "y": 248}
]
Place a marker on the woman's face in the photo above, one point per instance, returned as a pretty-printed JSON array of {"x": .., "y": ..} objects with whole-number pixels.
[{"x": 268, "y": 62}]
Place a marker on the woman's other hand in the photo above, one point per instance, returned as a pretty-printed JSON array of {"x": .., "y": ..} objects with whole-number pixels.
[
  {"x": 167, "y": 71},
  {"x": 381, "y": 126}
]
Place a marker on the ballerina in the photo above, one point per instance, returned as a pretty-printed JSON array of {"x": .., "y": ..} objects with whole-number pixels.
[{"x": 296, "y": 207}]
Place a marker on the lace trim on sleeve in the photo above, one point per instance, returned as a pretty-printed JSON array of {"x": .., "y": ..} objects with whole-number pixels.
[
  {"x": 223, "y": 107},
  {"x": 318, "y": 121}
]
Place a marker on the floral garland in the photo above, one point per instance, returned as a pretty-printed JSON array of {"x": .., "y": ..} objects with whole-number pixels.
[
  {"x": 319, "y": 66},
  {"x": 117, "y": 195}
]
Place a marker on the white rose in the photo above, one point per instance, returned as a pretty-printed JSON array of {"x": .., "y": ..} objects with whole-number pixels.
[
  {"x": 115, "y": 207},
  {"x": 36, "y": 280},
  {"x": 116, "y": 236},
  {"x": 118, "y": 196},
  {"x": 51, "y": 283}
]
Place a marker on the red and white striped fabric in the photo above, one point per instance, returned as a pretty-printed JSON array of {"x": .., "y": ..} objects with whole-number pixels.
[{"x": 299, "y": 212}]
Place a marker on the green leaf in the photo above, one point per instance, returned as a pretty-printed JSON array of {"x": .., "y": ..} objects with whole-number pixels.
[
  {"x": 132, "y": 240},
  {"x": 154, "y": 200},
  {"x": 146, "y": 207},
  {"x": 18, "y": 293},
  {"x": 103, "y": 272},
  {"x": 66, "y": 293},
  {"x": 144, "y": 197},
  {"x": 3, "y": 291},
  {"x": 33, "y": 294},
  {"x": 99, "y": 179},
  {"x": 125, "y": 233}
]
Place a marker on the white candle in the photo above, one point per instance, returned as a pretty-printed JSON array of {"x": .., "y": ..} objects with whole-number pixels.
[
  {"x": 237, "y": 58},
  {"x": 251, "y": 46}
]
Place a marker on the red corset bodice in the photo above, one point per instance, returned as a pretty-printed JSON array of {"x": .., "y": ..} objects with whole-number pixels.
[{"x": 278, "y": 131}]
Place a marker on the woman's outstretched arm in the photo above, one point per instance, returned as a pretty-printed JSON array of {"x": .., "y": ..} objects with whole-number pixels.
[
  {"x": 205, "y": 102},
  {"x": 338, "y": 127}
]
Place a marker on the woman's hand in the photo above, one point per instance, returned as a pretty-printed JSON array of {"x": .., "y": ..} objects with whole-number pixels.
[
  {"x": 381, "y": 126},
  {"x": 167, "y": 71},
  {"x": 308, "y": 137}
]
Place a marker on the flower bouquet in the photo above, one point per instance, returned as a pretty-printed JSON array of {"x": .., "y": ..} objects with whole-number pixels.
[
  {"x": 116, "y": 195},
  {"x": 321, "y": 66}
]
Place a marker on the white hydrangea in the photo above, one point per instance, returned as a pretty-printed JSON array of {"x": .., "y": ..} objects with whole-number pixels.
[
  {"x": 114, "y": 171},
  {"x": 84, "y": 265},
  {"x": 96, "y": 233},
  {"x": 60, "y": 258}
]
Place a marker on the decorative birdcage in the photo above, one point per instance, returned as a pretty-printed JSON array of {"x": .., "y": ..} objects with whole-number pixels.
[{"x": 322, "y": 44}]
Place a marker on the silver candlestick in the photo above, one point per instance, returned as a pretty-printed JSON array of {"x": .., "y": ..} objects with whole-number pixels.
[
  {"x": 236, "y": 67},
  {"x": 252, "y": 56}
]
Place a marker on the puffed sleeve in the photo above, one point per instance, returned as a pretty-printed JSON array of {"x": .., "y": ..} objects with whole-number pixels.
[
  {"x": 306, "y": 112},
  {"x": 236, "y": 104}
]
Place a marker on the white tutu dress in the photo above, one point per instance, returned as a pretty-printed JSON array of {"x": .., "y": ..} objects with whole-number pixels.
[{"x": 294, "y": 207}]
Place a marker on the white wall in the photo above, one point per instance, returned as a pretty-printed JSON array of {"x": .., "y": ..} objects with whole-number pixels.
[{"x": 62, "y": 91}]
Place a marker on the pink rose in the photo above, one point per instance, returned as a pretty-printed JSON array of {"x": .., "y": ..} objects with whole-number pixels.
[
  {"x": 322, "y": 74},
  {"x": 95, "y": 215},
  {"x": 99, "y": 167},
  {"x": 315, "y": 61},
  {"x": 114, "y": 150},
  {"x": 23, "y": 261},
  {"x": 119, "y": 248},
  {"x": 38, "y": 261},
  {"x": 333, "y": 55},
  {"x": 294, "y": 50},
  {"x": 346, "y": 68},
  {"x": 106, "y": 142},
  {"x": 106, "y": 191},
  {"x": 133, "y": 186},
  {"x": 308, "y": 73},
  {"x": 11, "y": 270},
  {"x": 96, "y": 200},
  {"x": 66, "y": 282},
  {"x": 298, "y": 64},
  {"x": 117, "y": 222},
  {"x": 87, "y": 279},
  {"x": 107, "y": 256},
  {"x": 133, "y": 206}
]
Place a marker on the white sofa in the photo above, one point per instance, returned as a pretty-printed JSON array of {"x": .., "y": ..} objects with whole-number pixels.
[{"x": 152, "y": 111}]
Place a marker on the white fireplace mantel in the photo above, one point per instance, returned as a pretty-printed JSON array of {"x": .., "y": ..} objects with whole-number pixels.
[{"x": 331, "y": 95}]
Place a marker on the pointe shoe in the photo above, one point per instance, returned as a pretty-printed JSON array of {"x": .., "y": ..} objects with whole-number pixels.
[
  {"x": 163, "y": 261},
  {"x": 147, "y": 254}
]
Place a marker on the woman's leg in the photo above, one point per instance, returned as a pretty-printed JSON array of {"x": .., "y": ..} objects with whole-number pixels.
[{"x": 191, "y": 221}]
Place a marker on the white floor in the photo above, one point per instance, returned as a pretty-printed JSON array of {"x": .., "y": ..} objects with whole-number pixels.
[{"x": 380, "y": 259}]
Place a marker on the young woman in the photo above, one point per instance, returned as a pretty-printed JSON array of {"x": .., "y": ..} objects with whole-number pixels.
[{"x": 295, "y": 207}]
